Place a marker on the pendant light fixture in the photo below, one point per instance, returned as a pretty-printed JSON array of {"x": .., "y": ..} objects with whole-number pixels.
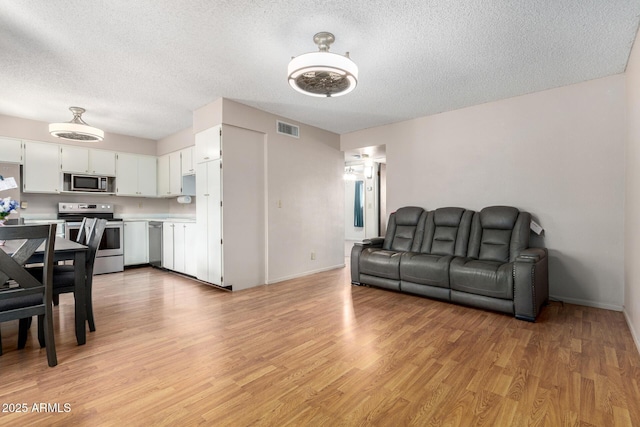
[
  {"x": 76, "y": 129},
  {"x": 323, "y": 74}
]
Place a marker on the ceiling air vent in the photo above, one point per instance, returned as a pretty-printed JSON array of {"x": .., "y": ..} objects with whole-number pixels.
[{"x": 288, "y": 129}]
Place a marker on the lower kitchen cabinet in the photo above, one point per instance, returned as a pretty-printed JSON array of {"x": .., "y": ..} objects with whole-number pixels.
[
  {"x": 136, "y": 242},
  {"x": 178, "y": 247}
]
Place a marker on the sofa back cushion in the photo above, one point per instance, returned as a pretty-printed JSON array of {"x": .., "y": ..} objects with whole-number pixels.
[
  {"x": 447, "y": 232},
  {"x": 499, "y": 233},
  {"x": 405, "y": 229}
]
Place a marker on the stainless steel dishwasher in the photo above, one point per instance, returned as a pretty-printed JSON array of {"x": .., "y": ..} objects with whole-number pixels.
[{"x": 155, "y": 243}]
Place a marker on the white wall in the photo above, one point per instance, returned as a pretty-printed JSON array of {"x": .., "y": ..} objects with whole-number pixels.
[
  {"x": 632, "y": 202},
  {"x": 177, "y": 141},
  {"x": 304, "y": 196},
  {"x": 243, "y": 199},
  {"x": 558, "y": 154}
]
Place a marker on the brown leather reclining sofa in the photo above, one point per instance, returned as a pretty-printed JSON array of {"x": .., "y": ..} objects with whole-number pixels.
[{"x": 480, "y": 259}]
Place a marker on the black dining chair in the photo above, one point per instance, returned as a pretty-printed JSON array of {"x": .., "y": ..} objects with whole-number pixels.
[
  {"x": 84, "y": 234},
  {"x": 64, "y": 275},
  {"x": 23, "y": 296}
]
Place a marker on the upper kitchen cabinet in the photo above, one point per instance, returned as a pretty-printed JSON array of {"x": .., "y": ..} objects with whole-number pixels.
[
  {"x": 85, "y": 160},
  {"x": 102, "y": 162},
  {"x": 135, "y": 175},
  {"x": 169, "y": 175},
  {"x": 208, "y": 144},
  {"x": 10, "y": 150},
  {"x": 41, "y": 171},
  {"x": 187, "y": 163}
]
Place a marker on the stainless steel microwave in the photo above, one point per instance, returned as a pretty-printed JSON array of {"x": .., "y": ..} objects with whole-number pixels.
[{"x": 89, "y": 183}]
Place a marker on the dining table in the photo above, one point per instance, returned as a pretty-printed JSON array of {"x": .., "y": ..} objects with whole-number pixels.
[{"x": 65, "y": 250}]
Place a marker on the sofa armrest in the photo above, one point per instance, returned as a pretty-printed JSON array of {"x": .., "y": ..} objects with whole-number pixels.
[
  {"x": 375, "y": 242},
  {"x": 532, "y": 255},
  {"x": 531, "y": 283}
]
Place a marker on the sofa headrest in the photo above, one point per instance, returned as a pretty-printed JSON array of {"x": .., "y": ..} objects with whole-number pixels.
[
  {"x": 499, "y": 217},
  {"x": 408, "y": 215},
  {"x": 447, "y": 217}
]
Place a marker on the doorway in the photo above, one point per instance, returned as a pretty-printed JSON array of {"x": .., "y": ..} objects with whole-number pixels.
[{"x": 365, "y": 213}]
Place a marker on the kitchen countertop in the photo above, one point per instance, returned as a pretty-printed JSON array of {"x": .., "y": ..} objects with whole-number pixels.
[
  {"x": 146, "y": 217},
  {"x": 158, "y": 218}
]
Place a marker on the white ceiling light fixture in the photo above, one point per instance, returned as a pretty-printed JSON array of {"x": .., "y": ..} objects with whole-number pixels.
[
  {"x": 349, "y": 174},
  {"x": 76, "y": 129},
  {"x": 323, "y": 74}
]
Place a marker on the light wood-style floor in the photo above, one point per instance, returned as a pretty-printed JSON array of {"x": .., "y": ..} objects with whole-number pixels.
[{"x": 317, "y": 351}]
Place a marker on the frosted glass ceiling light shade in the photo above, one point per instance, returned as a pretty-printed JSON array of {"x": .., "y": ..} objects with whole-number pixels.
[
  {"x": 349, "y": 174},
  {"x": 76, "y": 129},
  {"x": 323, "y": 74}
]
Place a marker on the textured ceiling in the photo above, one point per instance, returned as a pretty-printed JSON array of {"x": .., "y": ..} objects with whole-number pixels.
[{"x": 141, "y": 67}]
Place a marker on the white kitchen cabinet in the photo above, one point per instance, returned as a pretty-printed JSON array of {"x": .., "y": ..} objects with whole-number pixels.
[
  {"x": 10, "y": 150},
  {"x": 170, "y": 175},
  {"x": 85, "y": 160},
  {"x": 175, "y": 174},
  {"x": 187, "y": 165},
  {"x": 136, "y": 242},
  {"x": 41, "y": 171},
  {"x": 230, "y": 212},
  {"x": 188, "y": 169},
  {"x": 190, "y": 238},
  {"x": 102, "y": 162},
  {"x": 74, "y": 159},
  {"x": 179, "y": 245},
  {"x": 127, "y": 174},
  {"x": 147, "y": 169},
  {"x": 178, "y": 251},
  {"x": 208, "y": 144},
  {"x": 163, "y": 175},
  {"x": 167, "y": 246},
  {"x": 209, "y": 221},
  {"x": 135, "y": 175}
]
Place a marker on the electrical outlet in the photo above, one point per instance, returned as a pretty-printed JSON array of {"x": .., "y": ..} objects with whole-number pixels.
[
  {"x": 279, "y": 203},
  {"x": 24, "y": 205},
  {"x": 313, "y": 255},
  {"x": 140, "y": 205}
]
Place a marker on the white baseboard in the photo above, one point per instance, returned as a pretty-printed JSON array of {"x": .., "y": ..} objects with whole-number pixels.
[
  {"x": 306, "y": 273},
  {"x": 587, "y": 303},
  {"x": 634, "y": 333}
]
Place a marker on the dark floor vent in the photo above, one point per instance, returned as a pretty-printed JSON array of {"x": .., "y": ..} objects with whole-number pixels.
[{"x": 288, "y": 129}]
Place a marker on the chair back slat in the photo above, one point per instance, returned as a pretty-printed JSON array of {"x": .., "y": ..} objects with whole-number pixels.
[
  {"x": 24, "y": 252},
  {"x": 81, "y": 237},
  {"x": 21, "y": 255},
  {"x": 95, "y": 237},
  {"x": 86, "y": 228}
]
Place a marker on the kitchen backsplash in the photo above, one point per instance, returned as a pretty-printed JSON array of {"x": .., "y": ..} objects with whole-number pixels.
[{"x": 47, "y": 204}]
